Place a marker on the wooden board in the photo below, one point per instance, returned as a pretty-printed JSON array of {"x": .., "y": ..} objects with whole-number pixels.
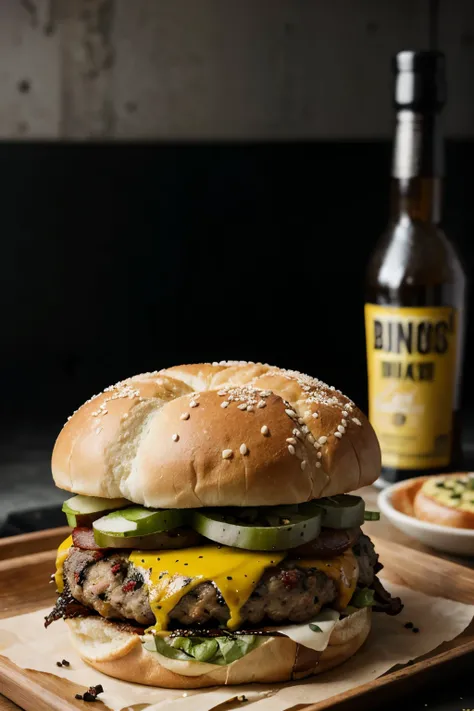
[
  {"x": 7, "y": 705},
  {"x": 24, "y": 587}
]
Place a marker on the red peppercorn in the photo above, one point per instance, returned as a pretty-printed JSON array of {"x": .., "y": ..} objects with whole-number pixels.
[{"x": 128, "y": 587}]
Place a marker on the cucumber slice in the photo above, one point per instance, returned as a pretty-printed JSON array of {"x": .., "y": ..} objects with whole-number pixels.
[
  {"x": 163, "y": 540},
  {"x": 138, "y": 521},
  {"x": 219, "y": 525},
  {"x": 81, "y": 511},
  {"x": 342, "y": 511}
]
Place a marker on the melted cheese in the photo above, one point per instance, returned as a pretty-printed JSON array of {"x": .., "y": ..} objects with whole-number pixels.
[
  {"x": 61, "y": 556},
  {"x": 234, "y": 571},
  {"x": 344, "y": 570}
]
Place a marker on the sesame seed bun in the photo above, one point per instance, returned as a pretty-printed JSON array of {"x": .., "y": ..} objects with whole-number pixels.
[
  {"x": 121, "y": 654},
  {"x": 228, "y": 434}
]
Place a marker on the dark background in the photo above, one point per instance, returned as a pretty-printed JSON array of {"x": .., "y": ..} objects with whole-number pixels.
[{"x": 118, "y": 259}]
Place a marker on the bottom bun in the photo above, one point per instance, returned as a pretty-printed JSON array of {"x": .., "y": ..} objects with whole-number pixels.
[{"x": 121, "y": 654}]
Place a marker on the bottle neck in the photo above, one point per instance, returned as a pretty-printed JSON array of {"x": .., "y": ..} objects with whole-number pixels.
[{"x": 417, "y": 167}]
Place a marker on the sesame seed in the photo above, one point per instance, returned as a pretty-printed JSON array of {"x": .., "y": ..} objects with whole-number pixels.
[
  {"x": 344, "y": 413},
  {"x": 227, "y": 453},
  {"x": 318, "y": 465},
  {"x": 338, "y": 435},
  {"x": 193, "y": 403},
  {"x": 322, "y": 440},
  {"x": 224, "y": 404},
  {"x": 307, "y": 413},
  {"x": 291, "y": 440},
  {"x": 344, "y": 422},
  {"x": 300, "y": 421},
  {"x": 303, "y": 464},
  {"x": 357, "y": 421},
  {"x": 291, "y": 413},
  {"x": 249, "y": 408},
  {"x": 341, "y": 429},
  {"x": 243, "y": 449},
  {"x": 184, "y": 416},
  {"x": 125, "y": 415},
  {"x": 291, "y": 449},
  {"x": 319, "y": 455},
  {"x": 315, "y": 415},
  {"x": 305, "y": 429},
  {"x": 264, "y": 430},
  {"x": 331, "y": 387},
  {"x": 99, "y": 430},
  {"x": 310, "y": 438},
  {"x": 262, "y": 403},
  {"x": 242, "y": 406},
  {"x": 175, "y": 437},
  {"x": 94, "y": 414},
  {"x": 296, "y": 432},
  {"x": 316, "y": 445}
]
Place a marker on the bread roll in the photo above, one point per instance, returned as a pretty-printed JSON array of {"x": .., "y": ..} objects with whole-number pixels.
[
  {"x": 436, "y": 502},
  {"x": 217, "y": 435},
  {"x": 122, "y": 655}
]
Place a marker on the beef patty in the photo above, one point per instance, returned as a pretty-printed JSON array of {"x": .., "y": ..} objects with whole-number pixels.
[{"x": 115, "y": 588}]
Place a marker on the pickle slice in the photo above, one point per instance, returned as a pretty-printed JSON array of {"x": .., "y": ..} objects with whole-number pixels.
[
  {"x": 137, "y": 521},
  {"x": 223, "y": 526},
  {"x": 163, "y": 540},
  {"x": 342, "y": 511},
  {"x": 81, "y": 511}
]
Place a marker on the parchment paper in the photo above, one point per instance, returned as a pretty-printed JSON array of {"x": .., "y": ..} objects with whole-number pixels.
[{"x": 25, "y": 642}]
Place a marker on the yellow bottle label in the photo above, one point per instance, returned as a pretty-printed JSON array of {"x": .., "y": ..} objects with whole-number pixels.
[{"x": 411, "y": 361}]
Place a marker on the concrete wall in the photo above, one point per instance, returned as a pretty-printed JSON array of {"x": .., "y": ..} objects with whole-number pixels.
[{"x": 200, "y": 69}]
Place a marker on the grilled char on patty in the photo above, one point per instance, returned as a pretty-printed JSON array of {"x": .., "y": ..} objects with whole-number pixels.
[{"x": 115, "y": 589}]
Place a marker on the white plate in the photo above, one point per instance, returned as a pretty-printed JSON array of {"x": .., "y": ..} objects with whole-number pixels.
[{"x": 459, "y": 541}]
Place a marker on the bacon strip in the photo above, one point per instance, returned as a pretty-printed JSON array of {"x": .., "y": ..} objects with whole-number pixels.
[
  {"x": 66, "y": 607},
  {"x": 330, "y": 543},
  {"x": 84, "y": 538},
  {"x": 384, "y": 602}
]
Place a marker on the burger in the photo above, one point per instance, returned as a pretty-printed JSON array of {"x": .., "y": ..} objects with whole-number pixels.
[{"x": 214, "y": 539}]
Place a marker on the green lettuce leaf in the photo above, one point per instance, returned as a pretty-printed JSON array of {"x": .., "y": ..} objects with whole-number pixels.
[
  {"x": 200, "y": 649},
  {"x": 166, "y": 650},
  {"x": 233, "y": 648},
  {"x": 213, "y": 650},
  {"x": 362, "y": 597}
]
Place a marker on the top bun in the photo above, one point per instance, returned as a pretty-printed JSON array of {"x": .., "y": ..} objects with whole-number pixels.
[{"x": 221, "y": 434}]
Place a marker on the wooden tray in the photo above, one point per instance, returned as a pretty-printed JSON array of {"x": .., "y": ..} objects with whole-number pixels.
[{"x": 27, "y": 561}]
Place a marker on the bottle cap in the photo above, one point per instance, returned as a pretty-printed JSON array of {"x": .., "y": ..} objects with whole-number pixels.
[{"x": 420, "y": 81}]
